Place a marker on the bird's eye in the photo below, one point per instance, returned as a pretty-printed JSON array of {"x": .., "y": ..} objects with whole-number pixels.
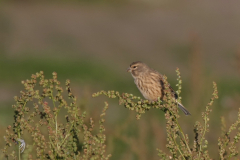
[{"x": 134, "y": 66}]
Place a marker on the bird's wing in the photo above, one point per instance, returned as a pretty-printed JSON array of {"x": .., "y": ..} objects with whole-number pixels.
[{"x": 174, "y": 94}]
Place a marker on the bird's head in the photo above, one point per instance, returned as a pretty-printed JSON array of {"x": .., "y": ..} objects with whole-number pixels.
[{"x": 137, "y": 68}]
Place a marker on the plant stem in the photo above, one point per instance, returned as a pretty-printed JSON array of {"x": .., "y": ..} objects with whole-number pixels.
[
  {"x": 19, "y": 133},
  {"x": 66, "y": 136},
  {"x": 204, "y": 131},
  {"x": 56, "y": 124},
  {"x": 183, "y": 136},
  {"x": 181, "y": 133},
  {"x": 19, "y": 149},
  {"x": 177, "y": 146}
]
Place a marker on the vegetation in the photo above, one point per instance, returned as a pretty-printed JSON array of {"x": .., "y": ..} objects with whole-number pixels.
[{"x": 40, "y": 131}]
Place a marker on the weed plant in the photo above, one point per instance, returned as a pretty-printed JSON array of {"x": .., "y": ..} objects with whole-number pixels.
[{"x": 41, "y": 132}]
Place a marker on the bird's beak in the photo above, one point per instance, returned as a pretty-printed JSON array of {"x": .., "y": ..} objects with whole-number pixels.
[{"x": 129, "y": 69}]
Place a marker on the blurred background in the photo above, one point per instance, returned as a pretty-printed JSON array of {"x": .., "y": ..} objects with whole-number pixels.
[{"x": 92, "y": 43}]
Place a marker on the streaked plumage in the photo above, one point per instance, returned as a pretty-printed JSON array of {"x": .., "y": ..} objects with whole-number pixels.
[{"x": 150, "y": 83}]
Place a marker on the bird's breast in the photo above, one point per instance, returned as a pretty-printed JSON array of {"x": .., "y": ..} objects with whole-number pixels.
[{"x": 149, "y": 87}]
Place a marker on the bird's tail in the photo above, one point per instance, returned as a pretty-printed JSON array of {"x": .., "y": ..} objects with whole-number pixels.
[{"x": 185, "y": 111}]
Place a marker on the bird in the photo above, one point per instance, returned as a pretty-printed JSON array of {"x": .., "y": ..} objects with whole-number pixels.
[{"x": 150, "y": 83}]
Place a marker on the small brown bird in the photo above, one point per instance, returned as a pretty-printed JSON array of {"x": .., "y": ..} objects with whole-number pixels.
[{"x": 150, "y": 83}]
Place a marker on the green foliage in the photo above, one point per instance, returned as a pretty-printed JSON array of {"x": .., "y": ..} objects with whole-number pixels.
[
  {"x": 47, "y": 135},
  {"x": 51, "y": 139},
  {"x": 228, "y": 148}
]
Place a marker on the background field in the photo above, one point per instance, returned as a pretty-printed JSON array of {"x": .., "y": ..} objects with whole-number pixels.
[{"x": 92, "y": 43}]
